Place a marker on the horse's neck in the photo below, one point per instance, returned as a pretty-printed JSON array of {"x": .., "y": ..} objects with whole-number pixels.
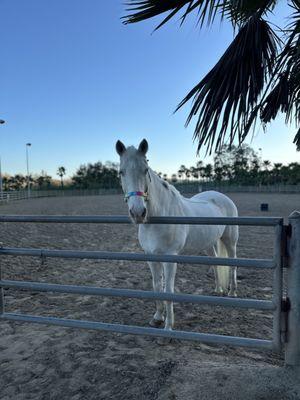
[{"x": 162, "y": 200}]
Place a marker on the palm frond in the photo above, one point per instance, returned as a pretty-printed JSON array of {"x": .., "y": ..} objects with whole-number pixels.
[
  {"x": 226, "y": 96},
  {"x": 297, "y": 140},
  {"x": 285, "y": 93},
  {"x": 277, "y": 100},
  {"x": 239, "y": 11},
  {"x": 140, "y": 10}
]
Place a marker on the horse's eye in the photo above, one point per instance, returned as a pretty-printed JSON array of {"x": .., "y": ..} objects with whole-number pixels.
[
  {"x": 121, "y": 172},
  {"x": 146, "y": 170}
]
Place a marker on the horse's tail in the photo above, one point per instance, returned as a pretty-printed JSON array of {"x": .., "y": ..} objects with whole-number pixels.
[{"x": 222, "y": 271}]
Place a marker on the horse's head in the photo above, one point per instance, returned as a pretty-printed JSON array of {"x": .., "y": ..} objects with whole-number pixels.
[{"x": 134, "y": 178}]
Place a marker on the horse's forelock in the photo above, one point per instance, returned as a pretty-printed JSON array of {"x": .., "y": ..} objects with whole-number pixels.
[{"x": 133, "y": 157}]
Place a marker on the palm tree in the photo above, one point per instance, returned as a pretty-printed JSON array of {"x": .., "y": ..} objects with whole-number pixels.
[
  {"x": 181, "y": 171},
  {"x": 200, "y": 169},
  {"x": 61, "y": 172},
  {"x": 256, "y": 77},
  {"x": 277, "y": 172},
  {"x": 267, "y": 164},
  {"x": 40, "y": 180},
  {"x": 174, "y": 178},
  {"x": 5, "y": 181},
  {"x": 194, "y": 172},
  {"x": 188, "y": 174},
  {"x": 208, "y": 172}
]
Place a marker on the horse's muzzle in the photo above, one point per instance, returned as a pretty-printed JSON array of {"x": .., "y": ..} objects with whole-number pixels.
[{"x": 138, "y": 217}]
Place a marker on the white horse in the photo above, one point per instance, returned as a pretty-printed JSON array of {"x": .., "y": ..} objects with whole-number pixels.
[{"x": 148, "y": 195}]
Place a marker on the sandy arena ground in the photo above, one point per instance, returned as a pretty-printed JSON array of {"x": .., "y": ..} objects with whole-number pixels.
[{"x": 39, "y": 362}]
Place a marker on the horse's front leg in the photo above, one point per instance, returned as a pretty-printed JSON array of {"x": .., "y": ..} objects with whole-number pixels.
[
  {"x": 169, "y": 274},
  {"x": 157, "y": 280}
]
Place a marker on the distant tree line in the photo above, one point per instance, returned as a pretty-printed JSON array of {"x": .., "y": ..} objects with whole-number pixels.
[
  {"x": 19, "y": 181},
  {"x": 240, "y": 166},
  {"x": 232, "y": 166},
  {"x": 97, "y": 175},
  {"x": 87, "y": 176}
]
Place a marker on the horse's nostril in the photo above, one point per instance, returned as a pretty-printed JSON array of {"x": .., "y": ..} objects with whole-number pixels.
[{"x": 144, "y": 213}]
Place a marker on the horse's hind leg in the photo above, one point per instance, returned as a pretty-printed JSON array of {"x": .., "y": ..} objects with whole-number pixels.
[
  {"x": 230, "y": 239},
  {"x": 231, "y": 250},
  {"x": 212, "y": 252},
  {"x": 157, "y": 280},
  {"x": 169, "y": 274}
]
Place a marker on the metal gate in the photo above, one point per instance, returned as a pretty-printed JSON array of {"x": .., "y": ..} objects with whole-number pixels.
[{"x": 275, "y": 264}]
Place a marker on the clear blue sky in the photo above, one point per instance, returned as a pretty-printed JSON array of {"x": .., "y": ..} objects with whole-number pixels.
[{"x": 74, "y": 79}]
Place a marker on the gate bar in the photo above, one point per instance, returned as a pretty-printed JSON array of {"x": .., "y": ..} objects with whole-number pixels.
[
  {"x": 123, "y": 219},
  {"x": 140, "y": 294},
  {"x": 137, "y": 330},
  {"x": 106, "y": 255}
]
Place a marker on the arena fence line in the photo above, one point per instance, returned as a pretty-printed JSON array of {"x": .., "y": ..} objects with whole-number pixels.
[
  {"x": 13, "y": 195},
  {"x": 183, "y": 187},
  {"x": 284, "y": 327}
]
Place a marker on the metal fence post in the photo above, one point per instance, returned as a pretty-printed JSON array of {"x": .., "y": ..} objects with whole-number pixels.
[
  {"x": 1, "y": 290},
  {"x": 292, "y": 350}
]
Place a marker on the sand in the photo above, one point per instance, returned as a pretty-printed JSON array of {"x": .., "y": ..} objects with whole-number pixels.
[{"x": 45, "y": 362}]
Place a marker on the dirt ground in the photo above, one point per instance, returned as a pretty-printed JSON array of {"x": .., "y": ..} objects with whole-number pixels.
[{"x": 40, "y": 362}]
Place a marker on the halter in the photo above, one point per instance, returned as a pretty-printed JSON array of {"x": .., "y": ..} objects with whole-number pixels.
[{"x": 141, "y": 194}]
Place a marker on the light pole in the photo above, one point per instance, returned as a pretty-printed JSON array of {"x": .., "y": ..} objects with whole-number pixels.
[
  {"x": 1, "y": 181},
  {"x": 28, "y": 177}
]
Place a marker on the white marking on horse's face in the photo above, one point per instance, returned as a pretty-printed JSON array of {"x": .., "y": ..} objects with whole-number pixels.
[{"x": 133, "y": 173}]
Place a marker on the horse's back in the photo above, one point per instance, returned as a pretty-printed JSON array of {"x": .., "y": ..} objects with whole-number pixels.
[{"x": 223, "y": 202}]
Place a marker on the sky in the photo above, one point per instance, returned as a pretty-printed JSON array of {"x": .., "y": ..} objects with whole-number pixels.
[{"x": 74, "y": 80}]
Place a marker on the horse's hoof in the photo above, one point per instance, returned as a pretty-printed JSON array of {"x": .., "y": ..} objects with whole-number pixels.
[
  {"x": 219, "y": 293},
  {"x": 156, "y": 323},
  {"x": 164, "y": 341}
]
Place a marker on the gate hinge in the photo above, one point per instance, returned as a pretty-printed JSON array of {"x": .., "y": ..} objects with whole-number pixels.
[{"x": 285, "y": 308}]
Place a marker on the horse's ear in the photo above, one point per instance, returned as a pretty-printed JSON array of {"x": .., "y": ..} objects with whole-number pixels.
[
  {"x": 143, "y": 147},
  {"x": 120, "y": 148}
]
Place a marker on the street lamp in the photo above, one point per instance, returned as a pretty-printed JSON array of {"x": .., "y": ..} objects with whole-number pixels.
[
  {"x": 28, "y": 177},
  {"x": 1, "y": 181}
]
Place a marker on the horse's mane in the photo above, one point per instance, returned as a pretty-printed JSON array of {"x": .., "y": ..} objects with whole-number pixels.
[{"x": 167, "y": 185}]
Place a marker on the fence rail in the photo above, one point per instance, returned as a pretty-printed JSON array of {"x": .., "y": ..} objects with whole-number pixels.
[
  {"x": 137, "y": 330},
  {"x": 183, "y": 187},
  {"x": 107, "y": 255},
  {"x": 196, "y": 187},
  {"x": 123, "y": 219},
  {"x": 140, "y": 294},
  {"x": 13, "y": 195},
  {"x": 275, "y": 263}
]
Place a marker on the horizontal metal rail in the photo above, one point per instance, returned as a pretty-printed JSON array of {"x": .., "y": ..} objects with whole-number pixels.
[
  {"x": 137, "y": 330},
  {"x": 123, "y": 219},
  {"x": 110, "y": 255},
  {"x": 140, "y": 294}
]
